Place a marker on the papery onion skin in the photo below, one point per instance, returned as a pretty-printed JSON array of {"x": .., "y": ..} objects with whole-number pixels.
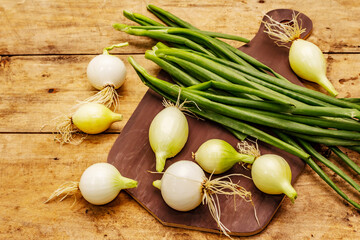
[
  {"x": 272, "y": 175},
  {"x": 94, "y": 118},
  {"x": 181, "y": 185},
  {"x": 106, "y": 70},
  {"x": 101, "y": 183},
  {"x": 168, "y": 134}
]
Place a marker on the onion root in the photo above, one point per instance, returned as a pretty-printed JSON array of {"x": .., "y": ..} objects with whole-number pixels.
[
  {"x": 284, "y": 33},
  {"x": 225, "y": 186},
  {"x": 67, "y": 189},
  {"x": 67, "y": 132},
  {"x": 108, "y": 96}
]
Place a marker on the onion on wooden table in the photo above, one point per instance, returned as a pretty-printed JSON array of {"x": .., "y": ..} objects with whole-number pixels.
[{"x": 46, "y": 47}]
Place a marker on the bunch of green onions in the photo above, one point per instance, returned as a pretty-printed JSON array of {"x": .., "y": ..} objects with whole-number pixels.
[{"x": 227, "y": 86}]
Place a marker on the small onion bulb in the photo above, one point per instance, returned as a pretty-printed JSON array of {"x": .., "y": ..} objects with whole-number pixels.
[
  {"x": 94, "y": 118},
  {"x": 218, "y": 156},
  {"x": 99, "y": 184},
  {"x": 168, "y": 134},
  {"x": 308, "y": 62},
  {"x": 181, "y": 185},
  {"x": 305, "y": 58},
  {"x": 89, "y": 118},
  {"x": 184, "y": 186},
  {"x": 106, "y": 70},
  {"x": 272, "y": 175},
  {"x": 106, "y": 73}
]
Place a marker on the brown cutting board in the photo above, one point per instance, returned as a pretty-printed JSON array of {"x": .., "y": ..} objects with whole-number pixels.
[{"x": 132, "y": 154}]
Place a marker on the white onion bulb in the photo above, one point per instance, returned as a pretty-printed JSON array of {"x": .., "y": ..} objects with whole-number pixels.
[
  {"x": 181, "y": 185},
  {"x": 184, "y": 186},
  {"x": 308, "y": 62},
  {"x": 168, "y": 134},
  {"x": 106, "y": 73},
  {"x": 106, "y": 70},
  {"x": 305, "y": 58},
  {"x": 272, "y": 175},
  {"x": 99, "y": 184}
]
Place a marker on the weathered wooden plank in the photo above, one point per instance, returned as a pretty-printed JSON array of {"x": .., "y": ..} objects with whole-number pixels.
[
  {"x": 36, "y": 89},
  {"x": 29, "y": 174},
  {"x": 74, "y": 27}
]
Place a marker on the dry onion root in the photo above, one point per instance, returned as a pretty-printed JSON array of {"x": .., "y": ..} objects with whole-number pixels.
[
  {"x": 223, "y": 185},
  {"x": 306, "y": 59},
  {"x": 67, "y": 132},
  {"x": 108, "y": 96}
]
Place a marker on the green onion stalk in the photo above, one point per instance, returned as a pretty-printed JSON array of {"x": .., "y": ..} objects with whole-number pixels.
[
  {"x": 177, "y": 22},
  {"x": 317, "y": 169},
  {"x": 171, "y": 92},
  {"x": 172, "y": 21}
]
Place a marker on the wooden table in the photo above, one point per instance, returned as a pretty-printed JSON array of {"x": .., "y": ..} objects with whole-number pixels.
[{"x": 45, "y": 47}]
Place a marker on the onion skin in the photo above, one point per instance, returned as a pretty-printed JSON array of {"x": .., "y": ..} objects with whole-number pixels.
[
  {"x": 181, "y": 185},
  {"x": 308, "y": 62},
  {"x": 94, "y": 118},
  {"x": 168, "y": 134},
  {"x": 106, "y": 70},
  {"x": 272, "y": 175}
]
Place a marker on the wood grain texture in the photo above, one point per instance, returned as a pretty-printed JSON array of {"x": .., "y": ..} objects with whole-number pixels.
[
  {"x": 44, "y": 49},
  {"x": 29, "y": 176},
  {"x": 60, "y": 27},
  {"x": 32, "y": 96},
  {"x": 53, "y": 87}
]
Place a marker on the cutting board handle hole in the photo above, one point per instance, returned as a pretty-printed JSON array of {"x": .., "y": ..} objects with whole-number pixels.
[{"x": 286, "y": 21}]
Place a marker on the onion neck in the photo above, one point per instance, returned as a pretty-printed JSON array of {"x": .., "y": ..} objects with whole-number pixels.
[
  {"x": 160, "y": 162},
  {"x": 125, "y": 183},
  {"x": 289, "y": 191},
  {"x": 157, "y": 184},
  {"x": 326, "y": 84},
  {"x": 116, "y": 117},
  {"x": 246, "y": 158},
  {"x": 107, "y": 49}
]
